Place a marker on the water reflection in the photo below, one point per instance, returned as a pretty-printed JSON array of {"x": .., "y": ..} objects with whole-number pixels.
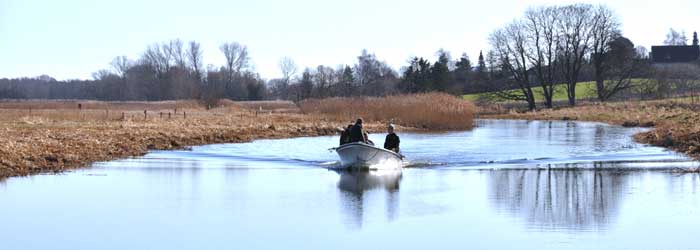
[
  {"x": 358, "y": 188},
  {"x": 560, "y": 198},
  {"x": 360, "y": 181}
]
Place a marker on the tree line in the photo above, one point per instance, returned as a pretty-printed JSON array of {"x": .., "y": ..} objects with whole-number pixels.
[
  {"x": 547, "y": 46},
  {"x": 165, "y": 71},
  {"x": 174, "y": 70}
]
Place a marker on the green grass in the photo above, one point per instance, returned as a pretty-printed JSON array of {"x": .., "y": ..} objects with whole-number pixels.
[{"x": 584, "y": 90}]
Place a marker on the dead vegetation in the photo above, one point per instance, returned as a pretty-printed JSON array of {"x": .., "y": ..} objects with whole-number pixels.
[
  {"x": 87, "y": 104},
  {"x": 676, "y": 123},
  {"x": 53, "y": 136},
  {"x": 435, "y": 111},
  {"x": 273, "y": 106}
]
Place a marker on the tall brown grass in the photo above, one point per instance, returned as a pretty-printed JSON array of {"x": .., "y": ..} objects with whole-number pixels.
[
  {"x": 89, "y": 104},
  {"x": 89, "y": 110},
  {"x": 430, "y": 110},
  {"x": 46, "y": 140},
  {"x": 275, "y": 106}
]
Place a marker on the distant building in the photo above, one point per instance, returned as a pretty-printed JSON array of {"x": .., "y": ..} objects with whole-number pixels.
[{"x": 675, "y": 54}]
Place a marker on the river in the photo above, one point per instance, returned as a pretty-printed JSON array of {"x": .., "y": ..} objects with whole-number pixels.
[{"x": 503, "y": 185}]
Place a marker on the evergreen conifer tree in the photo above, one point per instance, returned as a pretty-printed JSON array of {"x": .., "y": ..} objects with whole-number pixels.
[{"x": 482, "y": 62}]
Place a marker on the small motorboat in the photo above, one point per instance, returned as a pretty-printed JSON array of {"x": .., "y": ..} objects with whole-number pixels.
[{"x": 365, "y": 156}]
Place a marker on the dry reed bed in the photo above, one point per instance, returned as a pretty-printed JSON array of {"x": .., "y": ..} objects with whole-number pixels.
[
  {"x": 275, "y": 106},
  {"x": 52, "y": 140},
  {"x": 89, "y": 104},
  {"x": 435, "y": 111},
  {"x": 676, "y": 123},
  {"x": 36, "y": 144}
]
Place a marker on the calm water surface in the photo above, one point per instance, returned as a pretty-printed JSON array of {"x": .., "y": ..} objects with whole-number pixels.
[{"x": 504, "y": 185}]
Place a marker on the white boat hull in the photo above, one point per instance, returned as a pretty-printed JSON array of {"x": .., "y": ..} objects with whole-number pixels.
[{"x": 364, "y": 156}]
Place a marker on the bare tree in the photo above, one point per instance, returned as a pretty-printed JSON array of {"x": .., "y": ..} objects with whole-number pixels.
[
  {"x": 539, "y": 23},
  {"x": 306, "y": 85},
  {"x": 176, "y": 50},
  {"x": 158, "y": 57},
  {"x": 120, "y": 65},
  {"x": 101, "y": 74},
  {"x": 373, "y": 77},
  {"x": 604, "y": 30},
  {"x": 324, "y": 78},
  {"x": 675, "y": 38},
  {"x": 288, "y": 68},
  {"x": 575, "y": 29},
  {"x": 236, "y": 58},
  {"x": 194, "y": 59},
  {"x": 509, "y": 46}
]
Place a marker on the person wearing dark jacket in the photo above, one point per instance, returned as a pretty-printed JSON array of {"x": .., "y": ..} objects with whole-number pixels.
[
  {"x": 392, "y": 140},
  {"x": 345, "y": 135},
  {"x": 356, "y": 132}
]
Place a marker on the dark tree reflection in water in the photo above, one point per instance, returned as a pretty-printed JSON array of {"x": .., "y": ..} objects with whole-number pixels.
[{"x": 560, "y": 198}]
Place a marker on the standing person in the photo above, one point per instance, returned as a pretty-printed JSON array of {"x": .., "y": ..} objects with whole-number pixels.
[
  {"x": 345, "y": 135},
  {"x": 392, "y": 140},
  {"x": 356, "y": 132}
]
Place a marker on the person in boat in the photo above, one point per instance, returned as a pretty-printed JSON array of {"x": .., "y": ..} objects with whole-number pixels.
[
  {"x": 392, "y": 140},
  {"x": 357, "y": 134},
  {"x": 345, "y": 135},
  {"x": 370, "y": 142}
]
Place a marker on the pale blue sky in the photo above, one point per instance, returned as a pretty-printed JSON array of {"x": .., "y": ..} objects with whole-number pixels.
[{"x": 70, "y": 39}]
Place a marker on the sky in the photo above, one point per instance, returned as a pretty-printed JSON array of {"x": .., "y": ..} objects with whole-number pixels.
[{"x": 70, "y": 39}]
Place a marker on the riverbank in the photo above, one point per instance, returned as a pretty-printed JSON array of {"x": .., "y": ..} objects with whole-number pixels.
[
  {"x": 54, "y": 136},
  {"x": 41, "y": 143},
  {"x": 676, "y": 123}
]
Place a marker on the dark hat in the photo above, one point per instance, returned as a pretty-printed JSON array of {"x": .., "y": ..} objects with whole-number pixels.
[{"x": 359, "y": 121}]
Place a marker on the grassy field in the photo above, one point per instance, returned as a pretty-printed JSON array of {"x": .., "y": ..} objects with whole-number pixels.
[
  {"x": 584, "y": 90},
  {"x": 53, "y": 136}
]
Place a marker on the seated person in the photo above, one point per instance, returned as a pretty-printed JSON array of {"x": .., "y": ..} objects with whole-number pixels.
[
  {"x": 356, "y": 132},
  {"x": 392, "y": 140},
  {"x": 345, "y": 135}
]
